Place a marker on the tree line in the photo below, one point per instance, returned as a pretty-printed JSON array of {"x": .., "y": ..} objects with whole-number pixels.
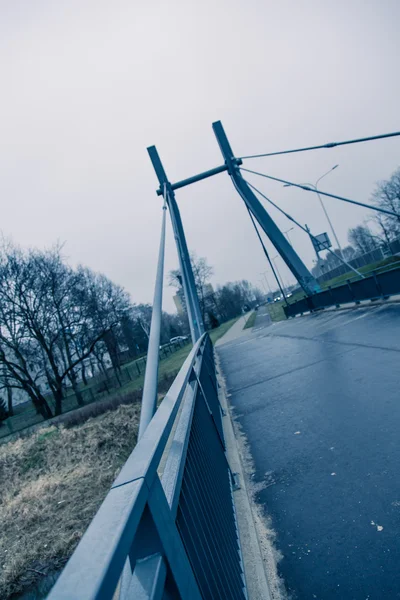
[
  {"x": 53, "y": 318},
  {"x": 219, "y": 305},
  {"x": 60, "y": 326}
]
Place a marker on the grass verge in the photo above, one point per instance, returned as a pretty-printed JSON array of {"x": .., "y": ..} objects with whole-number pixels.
[
  {"x": 251, "y": 320},
  {"x": 51, "y": 486},
  {"x": 276, "y": 311},
  {"x": 218, "y": 332}
]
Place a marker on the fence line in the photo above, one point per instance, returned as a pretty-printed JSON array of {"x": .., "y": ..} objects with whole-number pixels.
[
  {"x": 99, "y": 387},
  {"x": 363, "y": 260}
]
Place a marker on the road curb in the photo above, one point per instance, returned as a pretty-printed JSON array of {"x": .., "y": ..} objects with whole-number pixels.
[{"x": 255, "y": 572}]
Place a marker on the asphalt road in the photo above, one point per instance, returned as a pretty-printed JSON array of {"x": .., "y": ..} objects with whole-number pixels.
[{"x": 318, "y": 399}]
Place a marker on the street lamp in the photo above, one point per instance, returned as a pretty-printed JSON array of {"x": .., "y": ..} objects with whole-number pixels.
[
  {"x": 265, "y": 275},
  {"x": 287, "y": 234},
  {"x": 315, "y": 186},
  {"x": 264, "y": 286},
  {"x": 277, "y": 270}
]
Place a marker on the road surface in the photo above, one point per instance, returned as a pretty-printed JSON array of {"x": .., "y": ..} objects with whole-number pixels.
[{"x": 318, "y": 398}]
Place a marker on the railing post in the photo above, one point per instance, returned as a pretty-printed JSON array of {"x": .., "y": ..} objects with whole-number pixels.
[
  {"x": 352, "y": 292},
  {"x": 331, "y": 295},
  {"x": 378, "y": 285}
]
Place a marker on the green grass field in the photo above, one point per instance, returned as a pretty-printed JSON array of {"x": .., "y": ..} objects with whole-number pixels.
[
  {"x": 391, "y": 260},
  {"x": 275, "y": 310},
  {"x": 251, "y": 320}
]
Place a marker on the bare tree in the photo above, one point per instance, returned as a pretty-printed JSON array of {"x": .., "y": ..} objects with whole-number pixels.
[
  {"x": 387, "y": 196},
  {"x": 52, "y": 318},
  {"x": 18, "y": 351},
  {"x": 348, "y": 253},
  {"x": 385, "y": 231},
  {"x": 361, "y": 239},
  {"x": 142, "y": 314}
]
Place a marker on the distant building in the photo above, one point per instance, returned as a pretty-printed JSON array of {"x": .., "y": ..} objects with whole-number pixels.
[
  {"x": 180, "y": 303},
  {"x": 208, "y": 296}
]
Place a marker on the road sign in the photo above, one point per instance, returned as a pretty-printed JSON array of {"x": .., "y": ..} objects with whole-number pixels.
[{"x": 321, "y": 242}]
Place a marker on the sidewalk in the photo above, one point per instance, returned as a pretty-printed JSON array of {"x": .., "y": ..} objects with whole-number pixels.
[{"x": 235, "y": 331}]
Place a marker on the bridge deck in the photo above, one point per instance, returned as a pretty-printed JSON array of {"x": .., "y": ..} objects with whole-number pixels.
[{"x": 318, "y": 399}]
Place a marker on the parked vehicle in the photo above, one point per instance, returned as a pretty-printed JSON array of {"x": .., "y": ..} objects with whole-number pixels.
[{"x": 178, "y": 339}]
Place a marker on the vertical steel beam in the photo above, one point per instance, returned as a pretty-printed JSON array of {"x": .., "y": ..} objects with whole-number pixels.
[
  {"x": 189, "y": 286},
  {"x": 287, "y": 252}
]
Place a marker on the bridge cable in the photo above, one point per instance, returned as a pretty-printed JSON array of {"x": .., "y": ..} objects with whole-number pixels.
[
  {"x": 328, "y": 145},
  {"x": 267, "y": 255},
  {"x": 305, "y": 230},
  {"x": 309, "y": 189}
]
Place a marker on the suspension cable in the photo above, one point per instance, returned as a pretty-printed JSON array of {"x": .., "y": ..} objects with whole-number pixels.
[
  {"x": 304, "y": 229},
  {"x": 310, "y": 189},
  {"x": 328, "y": 145},
  {"x": 267, "y": 255}
]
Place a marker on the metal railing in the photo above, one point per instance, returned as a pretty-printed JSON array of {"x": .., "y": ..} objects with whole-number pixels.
[
  {"x": 167, "y": 528},
  {"x": 376, "y": 286}
]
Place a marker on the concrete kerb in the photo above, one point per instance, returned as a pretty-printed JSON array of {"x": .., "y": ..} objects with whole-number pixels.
[{"x": 258, "y": 557}]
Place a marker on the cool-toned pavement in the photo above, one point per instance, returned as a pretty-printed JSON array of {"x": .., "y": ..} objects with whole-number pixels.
[{"x": 318, "y": 399}]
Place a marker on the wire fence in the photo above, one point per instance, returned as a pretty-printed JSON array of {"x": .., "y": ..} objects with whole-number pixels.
[
  {"x": 99, "y": 387},
  {"x": 364, "y": 260}
]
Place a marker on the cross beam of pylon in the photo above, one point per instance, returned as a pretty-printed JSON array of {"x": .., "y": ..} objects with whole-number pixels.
[{"x": 231, "y": 165}]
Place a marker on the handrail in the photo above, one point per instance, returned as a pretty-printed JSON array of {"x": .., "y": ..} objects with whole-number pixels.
[
  {"x": 145, "y": 457},
  {"x": 176, "y": 535},
  {"x": 94, "y": 569}
]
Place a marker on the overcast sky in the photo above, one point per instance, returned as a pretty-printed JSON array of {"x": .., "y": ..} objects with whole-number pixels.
[{"x": 86, "y": 86}]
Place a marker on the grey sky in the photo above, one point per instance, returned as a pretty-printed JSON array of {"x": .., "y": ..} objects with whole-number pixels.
[{"x": 87, "y": 86}]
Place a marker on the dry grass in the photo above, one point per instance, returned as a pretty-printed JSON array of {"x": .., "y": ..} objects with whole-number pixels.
[
  {"x": 51, "y": 485},
  {"x": 53, "y": 481}
]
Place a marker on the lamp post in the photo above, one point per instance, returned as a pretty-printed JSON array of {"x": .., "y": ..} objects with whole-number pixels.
[
  {"x": 264, "y": 286},
  {"x": 315, "y": 186},
  {"x": 324, "y": 209},
  {"x": 264, "y": 273},
  {"x": 277, "y": 270},
  {"x": 287, "y": 234}
]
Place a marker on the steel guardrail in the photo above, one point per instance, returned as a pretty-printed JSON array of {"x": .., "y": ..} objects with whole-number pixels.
[
  {"x": 172, "y": 532},
  {"x": 376, "y": 286}
]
